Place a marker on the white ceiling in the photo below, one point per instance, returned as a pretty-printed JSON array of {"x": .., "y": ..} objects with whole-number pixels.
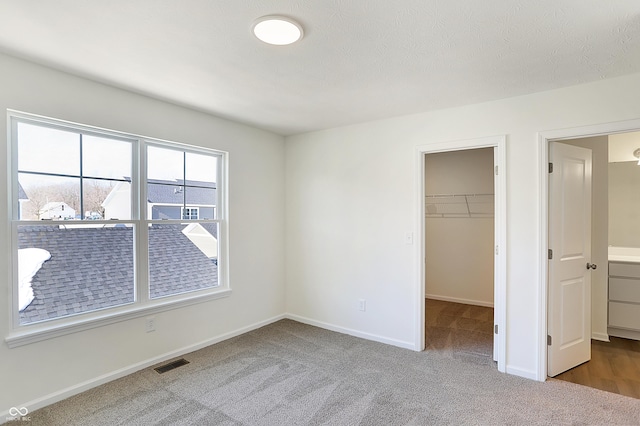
[
  {"x": 360, "y": 60},
  {"x": 622, "y": 146}
]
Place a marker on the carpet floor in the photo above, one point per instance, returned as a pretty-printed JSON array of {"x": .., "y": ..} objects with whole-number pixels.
[{"x": 289, "y": 373}]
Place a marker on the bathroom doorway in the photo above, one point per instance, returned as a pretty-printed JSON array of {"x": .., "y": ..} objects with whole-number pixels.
[
  {"x": 615, "y": 236},
  {"x": 614, "y": 206}
]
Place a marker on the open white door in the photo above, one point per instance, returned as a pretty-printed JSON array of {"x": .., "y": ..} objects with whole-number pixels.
[{"x": 569, "y": 304}]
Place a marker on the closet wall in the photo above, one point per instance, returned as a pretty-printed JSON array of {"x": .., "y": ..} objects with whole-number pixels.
[{"x": 459, "y": 223}]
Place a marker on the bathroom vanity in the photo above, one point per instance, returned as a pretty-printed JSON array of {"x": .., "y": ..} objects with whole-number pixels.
[{"x": 624, "y": 292}]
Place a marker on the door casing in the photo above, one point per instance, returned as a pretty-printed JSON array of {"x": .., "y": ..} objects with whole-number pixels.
[{"x": 500, "y": 232}]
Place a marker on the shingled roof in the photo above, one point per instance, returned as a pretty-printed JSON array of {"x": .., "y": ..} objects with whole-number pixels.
[
  {"x": 92, "y": 268},
  {"x": 174, "y": 192}
]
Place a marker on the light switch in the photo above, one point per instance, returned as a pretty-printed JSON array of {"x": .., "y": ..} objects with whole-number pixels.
[{"x": 408, "y": 238}]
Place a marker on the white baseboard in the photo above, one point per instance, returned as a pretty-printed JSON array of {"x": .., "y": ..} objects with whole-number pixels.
[
  {"x": 527, "y": 374},
  {"x": 351, "y": 332},
  {"x": 92, "y": 383},
  {"x": 459, "y": 300},
  {"x": 603, "y": 337}
]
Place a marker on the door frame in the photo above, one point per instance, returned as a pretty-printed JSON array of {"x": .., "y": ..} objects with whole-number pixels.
[
  {"x": 500, "y": 232},
  {"x": 544, "y": 139}
]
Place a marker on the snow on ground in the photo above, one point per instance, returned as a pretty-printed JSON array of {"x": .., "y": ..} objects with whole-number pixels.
[{"x": 30, "y": 261}]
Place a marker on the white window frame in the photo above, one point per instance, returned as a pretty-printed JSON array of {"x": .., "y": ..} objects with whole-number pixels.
[{"x": 28, "y": 333}]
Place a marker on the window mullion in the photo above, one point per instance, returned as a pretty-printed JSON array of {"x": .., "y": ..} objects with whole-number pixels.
[
  {"x": 81, "y": 180},
  {"x": 184, "y": 183},
  {"x": 139, "y": 189}
]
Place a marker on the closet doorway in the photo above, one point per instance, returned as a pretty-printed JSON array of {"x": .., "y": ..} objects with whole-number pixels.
[
  {"x": 462, "y": 234},
  {"x": 459, "y": 249}
]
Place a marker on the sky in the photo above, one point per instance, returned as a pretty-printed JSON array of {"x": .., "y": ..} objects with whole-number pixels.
[{"x": 51, "y": 150}]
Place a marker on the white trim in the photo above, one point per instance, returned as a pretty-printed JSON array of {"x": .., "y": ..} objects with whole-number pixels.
[
  {"x": 527, "y": 374},
  {"x": 105, "y": 378},
  {"x": 12, "y": 241},
  {"x": 603, "y": 337},
  {"x": 500, "y": 220},
  {"x": 352, "y": 332},
  {"x": 459, "y": 300},
  {"x": 543, "y": 219}
]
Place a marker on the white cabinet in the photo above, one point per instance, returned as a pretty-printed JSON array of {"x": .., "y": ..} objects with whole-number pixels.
[{"x": 624, "y": 299}]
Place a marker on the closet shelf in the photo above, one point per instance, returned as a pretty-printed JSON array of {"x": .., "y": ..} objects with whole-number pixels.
[{"x": 459, "y": 205}]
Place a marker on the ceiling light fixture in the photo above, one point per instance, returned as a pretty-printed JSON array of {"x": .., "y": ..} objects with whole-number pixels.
[
  {"x": 636, "y": 154},
  {"x": 278, "y": 30}
]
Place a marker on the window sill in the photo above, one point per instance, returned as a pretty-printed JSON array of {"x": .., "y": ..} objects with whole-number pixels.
[{"x": 44, "y": 331}]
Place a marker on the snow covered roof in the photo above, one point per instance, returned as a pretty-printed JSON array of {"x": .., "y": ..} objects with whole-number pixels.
[{"x": 54, "y": 205}]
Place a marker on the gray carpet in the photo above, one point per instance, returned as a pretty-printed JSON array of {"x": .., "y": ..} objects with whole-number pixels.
[{"x": 289, "y": 373}]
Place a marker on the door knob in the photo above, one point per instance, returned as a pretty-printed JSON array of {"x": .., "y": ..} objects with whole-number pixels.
[{"x": 591, "y": 266}]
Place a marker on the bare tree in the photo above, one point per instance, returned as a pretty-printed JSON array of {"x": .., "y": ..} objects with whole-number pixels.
[
  {"x": 38, "y": 197},
  {"x": 94, "y": 193}
]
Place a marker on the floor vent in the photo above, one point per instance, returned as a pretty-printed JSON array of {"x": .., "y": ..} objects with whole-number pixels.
[{"x": 170, "y": 366}]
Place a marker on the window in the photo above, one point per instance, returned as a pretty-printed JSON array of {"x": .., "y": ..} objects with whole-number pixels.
[
  {"x": 81, "y": 244},
  {"x": 189, "y": 212}
]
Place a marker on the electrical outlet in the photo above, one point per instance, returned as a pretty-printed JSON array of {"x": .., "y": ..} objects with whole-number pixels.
[
  {"x": 150, "y": 325},
  {"x": 362, "y": 305}
]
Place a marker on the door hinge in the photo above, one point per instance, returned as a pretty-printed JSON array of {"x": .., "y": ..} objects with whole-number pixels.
[
  {"x": 496, "y": 170},
  {"x": 496, "y": 250},
  {"x": 550, "y": 254},
  {"x": 548, "y": 340},
  {"x": 495, "y": 329},
  {"x": 550, "y": 167}
]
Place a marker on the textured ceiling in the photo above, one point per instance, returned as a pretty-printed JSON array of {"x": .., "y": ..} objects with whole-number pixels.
[{"x": 360, "y": 60}]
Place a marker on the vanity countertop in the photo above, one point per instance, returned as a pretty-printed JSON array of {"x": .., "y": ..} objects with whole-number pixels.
[{"x": 624, "y": 254}]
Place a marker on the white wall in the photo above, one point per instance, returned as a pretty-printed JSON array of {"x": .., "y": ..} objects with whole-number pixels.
[
  {"x": 599, "y": 231},
  {"x": 460, "y": 250},
  {"x": 256, "y": 185},
  {"x": 624, "y": 204},
  {"x": 351, "y": 200}
]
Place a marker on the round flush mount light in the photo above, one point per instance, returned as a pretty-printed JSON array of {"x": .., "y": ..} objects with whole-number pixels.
[{"x": 278, "y": 30}]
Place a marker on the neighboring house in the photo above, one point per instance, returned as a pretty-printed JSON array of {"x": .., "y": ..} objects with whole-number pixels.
[
  {"x": 176, "y": 199},
  {"x": 57, "y": 210},
  {"x": 22, "y": 198},
  {"x": 92, "y": 215}
]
